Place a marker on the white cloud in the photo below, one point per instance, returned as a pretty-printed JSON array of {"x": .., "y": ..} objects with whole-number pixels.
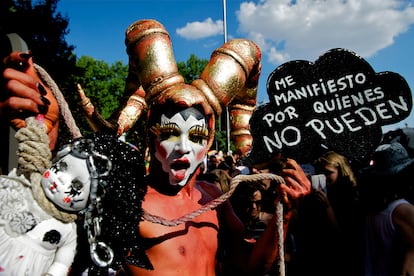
[
  {"x": 197, "y": 29},
  {"x": 304, "y": 29}
]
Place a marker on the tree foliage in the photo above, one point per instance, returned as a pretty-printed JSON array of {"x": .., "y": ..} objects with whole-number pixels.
[
  {"x": 103, "y": 83},
  {"x": 192, "y": 68},
  {"x": 44, "y": 31}
]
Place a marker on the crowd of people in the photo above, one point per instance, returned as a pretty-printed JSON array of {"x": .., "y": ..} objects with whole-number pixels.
[{"x": 356, "y": 221}]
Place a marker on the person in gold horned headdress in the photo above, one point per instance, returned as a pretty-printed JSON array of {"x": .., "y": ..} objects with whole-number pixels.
[{"x": 180, "y": 130}]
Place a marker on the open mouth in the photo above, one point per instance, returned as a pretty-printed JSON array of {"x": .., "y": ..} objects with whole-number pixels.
[
  {"x": 180, "y": 165},
  {"x": 179, "y": 168}
]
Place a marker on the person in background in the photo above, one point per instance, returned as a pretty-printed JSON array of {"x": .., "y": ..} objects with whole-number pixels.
[
  {"x": 328, "y": 229},
  {"x": 341, "y": 193},
  {"x": 336, "y": 168},
  {"x": 404, "y": 136},
  {"x": 229, "y": 166},
  {"x": 237, "y": 157},
  {"x": 212, "y": 163},
  {"x": 389, "y": 226},
  {"x": 220, "y": 178},
  {"x": 275, "y": 165},
  {"x": 247, "y": 202}
]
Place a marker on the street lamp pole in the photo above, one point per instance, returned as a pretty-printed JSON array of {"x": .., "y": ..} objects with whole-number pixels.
[{"x": 227, "y": 109}]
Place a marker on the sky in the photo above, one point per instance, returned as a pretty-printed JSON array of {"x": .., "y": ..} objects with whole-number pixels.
[{"x": 382, "y": 32}]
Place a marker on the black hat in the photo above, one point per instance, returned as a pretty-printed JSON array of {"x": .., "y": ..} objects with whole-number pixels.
[{"x": 389, "y": 159}]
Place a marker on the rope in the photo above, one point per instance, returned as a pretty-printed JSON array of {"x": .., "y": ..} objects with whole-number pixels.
[
  {"x": 33, "y": 150},
  {"x": 34, "y": 155},
  {"x": 63, "y": 105},
  {"x": 215, "y": 202},
  {"x": 280, "y": 235}
]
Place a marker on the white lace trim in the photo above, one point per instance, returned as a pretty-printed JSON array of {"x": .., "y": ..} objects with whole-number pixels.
[{"x": 14, "y": 208}]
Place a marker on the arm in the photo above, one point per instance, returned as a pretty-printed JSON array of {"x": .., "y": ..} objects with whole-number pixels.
[
  {"x": 265, "y": 251},
  {"x": 296, "y": 185},
  {"x": 322, "y": 197},
  {"x": 64, "y": 255},
  {"x": 403, "y": 219}
]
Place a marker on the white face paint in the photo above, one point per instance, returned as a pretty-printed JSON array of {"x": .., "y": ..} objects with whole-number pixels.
[
  {"x": 181, "y": 145},
  {"x": 67, "y": 183}
]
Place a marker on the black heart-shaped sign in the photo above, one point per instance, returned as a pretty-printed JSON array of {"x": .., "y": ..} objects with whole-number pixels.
[{"x": 336, "y": 103}]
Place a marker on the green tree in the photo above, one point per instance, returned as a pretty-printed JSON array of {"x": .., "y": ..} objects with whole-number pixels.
[
  {"x": 44, "y": 31},
  {"x": 102, "y": 83},
  {"x": 192, "y": 68}
]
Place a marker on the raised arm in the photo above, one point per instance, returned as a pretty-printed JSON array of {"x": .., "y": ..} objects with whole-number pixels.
[
  {"x": 296, "y": 185},
  {"x": 257, "y": 258}
]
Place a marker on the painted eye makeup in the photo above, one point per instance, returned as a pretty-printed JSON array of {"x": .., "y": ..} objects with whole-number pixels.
[
  {"x": 77, "y": 184},
  {"x": 198, "y": 134},
  {"x": 167, "y": 131}
]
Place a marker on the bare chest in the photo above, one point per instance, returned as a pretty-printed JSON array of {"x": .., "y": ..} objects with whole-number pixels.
[{"x": 190, "y": 243}]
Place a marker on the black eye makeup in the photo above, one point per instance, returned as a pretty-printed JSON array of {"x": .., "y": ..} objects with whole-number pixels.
[
  {"x": 76, "y": 187},
  {"x": 77, "y": 184}
]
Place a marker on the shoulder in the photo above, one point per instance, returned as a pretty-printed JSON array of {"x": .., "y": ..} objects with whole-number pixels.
[
  {"x": 403, "y": 216},
  {"x": 403, "y": 209},
  {"x": 208, "y": 189}
]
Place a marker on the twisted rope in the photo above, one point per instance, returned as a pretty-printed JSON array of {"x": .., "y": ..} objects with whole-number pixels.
[
  {"x": 280, "y": 239},
  {"x": 215, "y": 202},
  {"x": 34, "y": 155},
  {"x": 33, "y": 150},
  {"x": 63, "y": 105}
]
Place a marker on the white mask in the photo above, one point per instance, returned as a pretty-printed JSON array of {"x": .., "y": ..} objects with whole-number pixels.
[
  {"x": 181, "y": 144},
  {"x": 67, "y": 183}
]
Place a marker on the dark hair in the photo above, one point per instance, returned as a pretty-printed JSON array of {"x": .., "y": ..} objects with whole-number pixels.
[
  {"x": 377, "y": 191},
  {"x": 122, "y": 195}
]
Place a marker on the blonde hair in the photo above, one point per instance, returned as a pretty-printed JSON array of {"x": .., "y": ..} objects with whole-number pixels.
[{"x": 338, "y": 161}]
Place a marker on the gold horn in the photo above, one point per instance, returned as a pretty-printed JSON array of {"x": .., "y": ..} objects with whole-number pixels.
[
  {"x": 232, "y": 75},
  {"x": 126, "y": 116},
  {"x": 152, "y": 60}
]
